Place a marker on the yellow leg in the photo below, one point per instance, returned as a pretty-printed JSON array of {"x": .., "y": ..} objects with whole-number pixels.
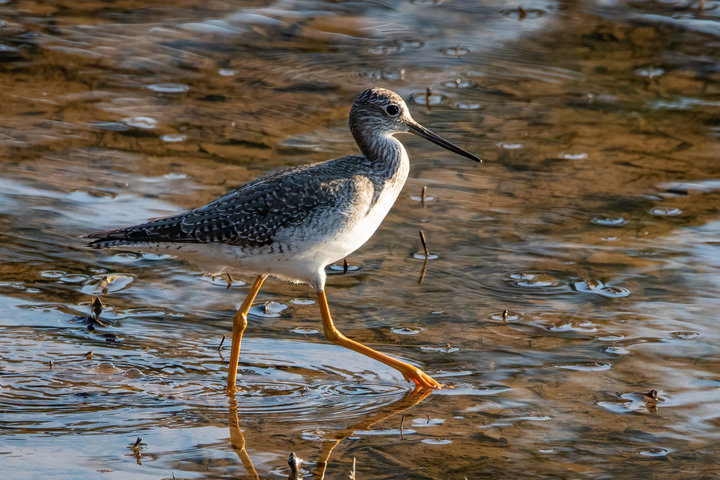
[
  {"x": 239, "y": 324},
  {"x": 410, "y": 373}
]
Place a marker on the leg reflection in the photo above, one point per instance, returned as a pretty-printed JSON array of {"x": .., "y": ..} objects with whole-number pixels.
[{"x": 237, "y": 439}]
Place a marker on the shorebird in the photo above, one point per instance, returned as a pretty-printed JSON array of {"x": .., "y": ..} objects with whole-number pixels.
[{"x": 293, "y": 222}]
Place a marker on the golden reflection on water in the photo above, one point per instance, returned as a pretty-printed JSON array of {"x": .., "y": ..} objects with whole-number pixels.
[{"x": 593, "y": 223}]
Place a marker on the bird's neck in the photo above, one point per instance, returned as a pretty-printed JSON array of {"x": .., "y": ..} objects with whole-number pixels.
[{"x": 385, "y": 152}]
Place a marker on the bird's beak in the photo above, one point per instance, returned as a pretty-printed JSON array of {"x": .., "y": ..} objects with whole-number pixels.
[{"x": 423, "y": 132}]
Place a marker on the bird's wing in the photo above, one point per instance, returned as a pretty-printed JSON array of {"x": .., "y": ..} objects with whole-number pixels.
[{"x": 248, "y": 216}]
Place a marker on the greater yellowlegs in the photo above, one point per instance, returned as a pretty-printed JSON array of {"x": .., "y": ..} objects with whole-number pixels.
[{"x": 294, "y": 222}]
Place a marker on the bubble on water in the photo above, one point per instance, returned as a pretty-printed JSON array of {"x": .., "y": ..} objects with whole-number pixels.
[
  {"x": 173, "y": 137},
  {"x": 124, "y": 257},
  {"x": 168, "y": 88},
  {"x": 406, "y": 330},
  {"x": 653, "y": 452},
  {"x": 609, "y": 221},
  {"x": 665, "y": 211},
  {"x": 686, "y": 335},
  {"x": 436, "y": 441},
  {"x": 586, "y": 366},
  {"x": 133, "y": 373},
  {"x": 547, "y": 451},
  {"x": 141, "y": 122}
]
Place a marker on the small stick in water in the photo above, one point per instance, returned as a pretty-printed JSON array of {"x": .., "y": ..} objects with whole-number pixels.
[
  {"x": 229, "y": 280},
  {"x": 428, "y": 94},
  {"x": 422, "y": 195},
  {"x": 424, "y": 244},
  {"x": 222, "y": 340},
  {"x": 346, "y": 266},
  {"x": 422, "y": 271},
  {"x": 504, "y": 316}
]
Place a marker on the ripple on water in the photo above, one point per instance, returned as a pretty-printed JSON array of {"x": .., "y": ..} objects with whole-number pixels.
[
  {"x": 686, "y": 335},
  {"x": 168, "y": 88},
  {"x": 339, "y": 268},
  {"x": 336, "y": 400},
  {"x": 653, "y": 452},
  {"x": 305, "y": 331},
  {"x": 574, "y": 156},
  {"x": 459, "y": 83},
  {"x": 608, "y": 221},
  {"x": 665, "y": 211},
  {"x": 406, "y": 330},
  {"x": 649, "y": 72},
  {"x": 173, "y": 138},
  {"x": 521, "y": 13},
  {"x": 597, "y": 287},
  {"x": 586, "y": 366},
  {"x": 141, "y": 122},
  {"x": 268, "y": 309},
  {"x": 468, "y": 106},
  {"x": 506, "y": 316},
  {"x": 534, "y": 280},
  {"x": 422, "y": 98},
  {"x": 510, "y": 145},
  {"x": 430, "y": 256},
  {"x": 109, "y": 283},
  {"x": 436, "y": 441},
  {"x": 456, "y": 51},
  {"x": 584, "y": 327}
]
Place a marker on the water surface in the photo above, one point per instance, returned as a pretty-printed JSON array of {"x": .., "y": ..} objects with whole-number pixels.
[{"x": 593, "y": 222}]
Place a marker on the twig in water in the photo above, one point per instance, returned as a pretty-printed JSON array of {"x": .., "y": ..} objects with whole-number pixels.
[
  {"x": 229, "y": 280},
  {"x": 422, "y": 271},
  {"x": 222, "y": 340},
  {"x": 422, "y": 196},
  {"x": 504, "y": 316},
  {"x": 352, "y": 472},
  {"x": 346, "y": 266},
  {"x": 424, "y": 244}
]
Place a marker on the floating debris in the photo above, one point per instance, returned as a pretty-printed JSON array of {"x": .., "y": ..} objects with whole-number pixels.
[
  {"x": 222, "y": 340},
  {"x": 294, "y": 462},
  {"x": 424, "y": 244}
]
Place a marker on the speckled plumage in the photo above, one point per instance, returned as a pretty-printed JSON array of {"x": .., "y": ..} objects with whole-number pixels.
[{"x": 293, "y": 222}]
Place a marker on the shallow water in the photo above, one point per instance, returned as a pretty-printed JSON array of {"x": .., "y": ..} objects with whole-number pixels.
[{"x": 593, "y": 222}]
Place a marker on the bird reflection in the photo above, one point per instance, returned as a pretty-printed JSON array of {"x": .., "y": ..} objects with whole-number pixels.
[{"x": 237, "y": 439}]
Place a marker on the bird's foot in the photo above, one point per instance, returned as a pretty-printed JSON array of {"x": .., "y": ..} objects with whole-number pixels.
[{"x": 421, "y": 379}]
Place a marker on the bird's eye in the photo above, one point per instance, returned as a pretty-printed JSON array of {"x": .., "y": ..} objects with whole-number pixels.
[{"x": 392, "y": 110}]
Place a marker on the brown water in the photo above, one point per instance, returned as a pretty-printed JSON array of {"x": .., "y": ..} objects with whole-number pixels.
[{"x": 593, "y": 221}]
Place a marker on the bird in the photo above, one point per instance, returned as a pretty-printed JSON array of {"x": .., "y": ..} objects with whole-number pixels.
[{"x": 293, "y": 222}]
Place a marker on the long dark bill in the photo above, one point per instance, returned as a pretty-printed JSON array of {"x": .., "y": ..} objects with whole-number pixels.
[{"x": 423, "y": 132}]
